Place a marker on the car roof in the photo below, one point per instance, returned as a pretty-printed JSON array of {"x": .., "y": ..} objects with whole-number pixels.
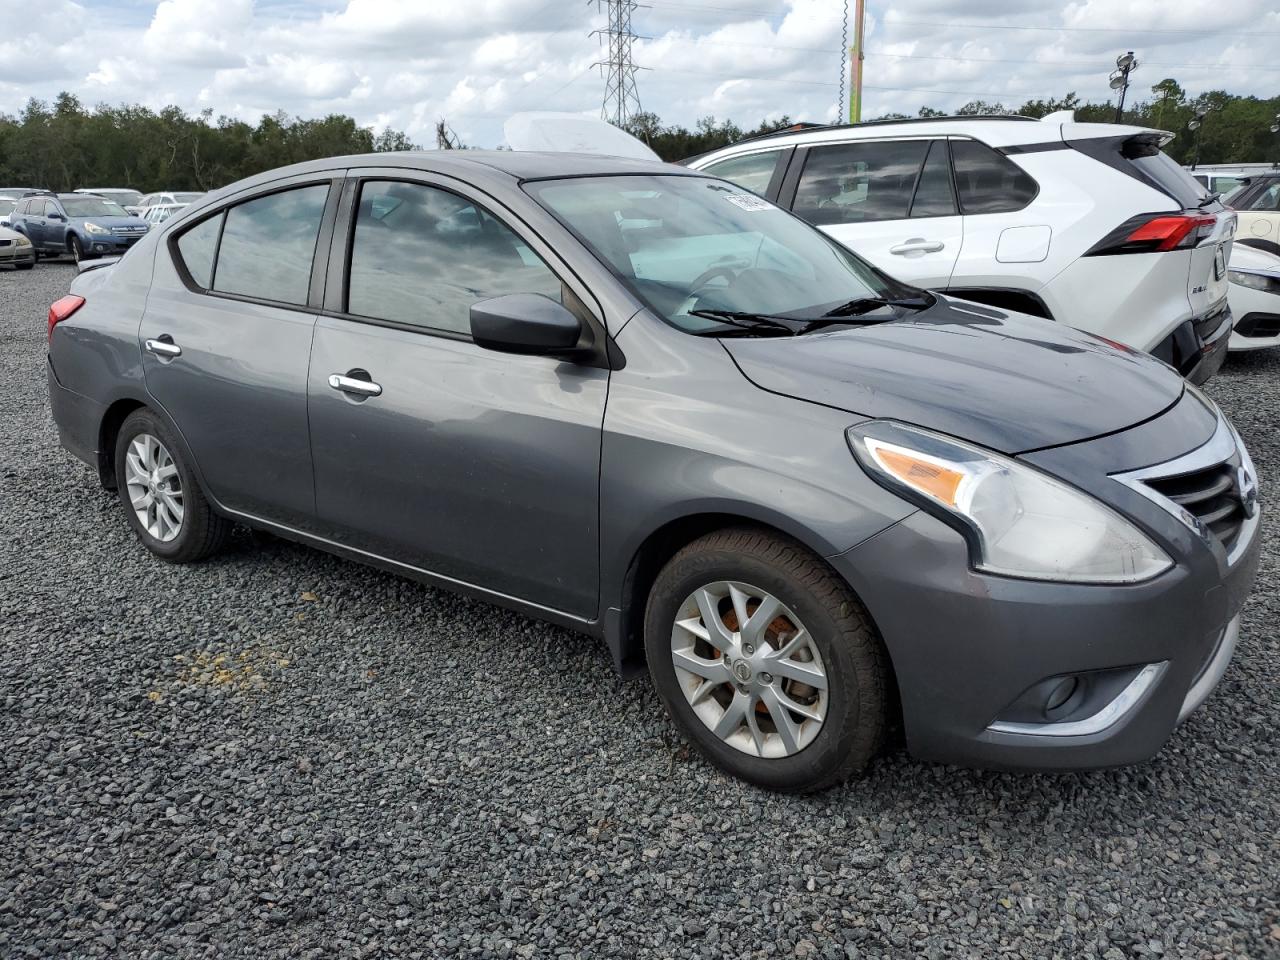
[
  {"x": 518, "y": 164},
  {"x": 996, "y": 131}
]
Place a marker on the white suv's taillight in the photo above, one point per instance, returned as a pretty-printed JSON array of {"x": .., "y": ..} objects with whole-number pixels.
[{"x": 1156, "y": 233}]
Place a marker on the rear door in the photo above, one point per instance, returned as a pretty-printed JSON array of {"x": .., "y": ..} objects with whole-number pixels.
[
  {"x": 891, "y": 201},
  {"x": 226, "y": 339},
  {"x": 477, "y": 466}
]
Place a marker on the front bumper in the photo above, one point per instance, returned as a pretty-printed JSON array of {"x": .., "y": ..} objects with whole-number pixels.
[
  {"x": 12, "y": 255},
  {"x": 1256, "y": 331},
  {"x": 967, "y": 647},
  {"x": 111, "y": 245}
]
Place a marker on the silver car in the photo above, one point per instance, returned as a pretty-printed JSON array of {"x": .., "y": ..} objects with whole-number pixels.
[
  {"x": 15, "y": 249},
  {"x": 643, "y": 403}
]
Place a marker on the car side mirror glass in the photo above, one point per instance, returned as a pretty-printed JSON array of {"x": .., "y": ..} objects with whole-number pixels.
[
  {"x": 527, "y": 323},
  {"x": 56, "y": 216}
]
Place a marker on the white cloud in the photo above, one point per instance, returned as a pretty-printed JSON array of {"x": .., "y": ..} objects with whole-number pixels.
[{"x": 406, "y": 63}]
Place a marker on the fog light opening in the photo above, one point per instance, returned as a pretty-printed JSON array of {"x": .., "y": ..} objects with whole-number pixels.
[{"x": 1060, "y": 696}]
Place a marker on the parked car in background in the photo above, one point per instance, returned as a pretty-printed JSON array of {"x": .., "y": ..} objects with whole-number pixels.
[
  {"x": 646, "y": 404},
  {"x": 125, "y": 196},
  {"x": 6, "y": 208},
  {"x": 169, "y": 197},
  {"x": 1255, "y": 297},
  {"x": 16, "y": 250},
  {"x": 1257, "y": 205},
  {"x": 17, "y": 193},
  {"x": 1088, "y": 224},
  {"x": 161, "y": 212},
  {"x": 1223, "y": 184},
  {"x": 78, "y": 224}
]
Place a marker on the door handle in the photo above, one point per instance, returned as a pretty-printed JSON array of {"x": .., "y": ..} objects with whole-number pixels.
[
  {"x": 354, "y": 386},
  {"x": 164, "y": 348},
  {"x": 917, "y": 245}
]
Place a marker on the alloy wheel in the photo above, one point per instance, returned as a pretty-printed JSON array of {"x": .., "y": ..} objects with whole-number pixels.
[
  {"x": 749, "y": 669},
  {"x": 154, "y": 487}
]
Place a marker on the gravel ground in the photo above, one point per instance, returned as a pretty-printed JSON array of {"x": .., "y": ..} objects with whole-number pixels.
[{"x": 280, "y": 753}]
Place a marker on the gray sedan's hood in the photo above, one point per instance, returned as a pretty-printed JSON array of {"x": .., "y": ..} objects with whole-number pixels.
[{"x": 1003, "y": 380}]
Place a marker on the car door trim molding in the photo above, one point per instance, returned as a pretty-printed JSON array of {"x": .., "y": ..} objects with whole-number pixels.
[{"x": 422, "y": 574}]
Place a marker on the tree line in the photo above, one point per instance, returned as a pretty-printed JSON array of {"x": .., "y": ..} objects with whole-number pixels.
[
  {"x": 1234, "y": 129},
  {"x": 64, "y": 145}
]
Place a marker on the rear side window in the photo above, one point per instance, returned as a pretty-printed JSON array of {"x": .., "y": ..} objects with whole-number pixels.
[
  {"x": 268, "y": 245},
  {"x": 198, "y": 246},
  {"x": 1266, "y": 200},
  {"x": 859, "y": 182},
  {"x": 753, "y": 171},
  {"x": 422, "y": 256},
  {"x": 988, "y": 182}
]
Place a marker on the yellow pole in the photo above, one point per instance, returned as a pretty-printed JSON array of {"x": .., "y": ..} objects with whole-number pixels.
[{"x": 855, "y": 58}]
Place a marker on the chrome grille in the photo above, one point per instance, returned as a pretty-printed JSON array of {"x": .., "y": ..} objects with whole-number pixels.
[{"x": 1212, "y": 496}]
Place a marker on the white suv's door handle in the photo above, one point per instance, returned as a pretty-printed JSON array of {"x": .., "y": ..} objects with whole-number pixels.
[
  {"x": 163, "y": 348},
  {"x": 917, "y": 245},
  {"x": 361, "y": 388}
]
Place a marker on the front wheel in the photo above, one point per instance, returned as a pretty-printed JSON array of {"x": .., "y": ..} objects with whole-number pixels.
[
  {"x": 767, "y": 661},
  {"x": 77, "y": 250},
  {"x": 162, "y": 500}
]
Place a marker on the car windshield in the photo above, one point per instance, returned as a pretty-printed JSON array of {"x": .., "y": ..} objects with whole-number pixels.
[
  {"x": 686, "y": 244},
  {"x": 6, "y": 205},
  {"x": 186, "y": 197},
  {"x": 91, "y": 207}
]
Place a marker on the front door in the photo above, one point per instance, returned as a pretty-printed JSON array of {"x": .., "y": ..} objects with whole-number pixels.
[
  {"x": 890, "y": 201},
  {"x": 226, "y": 338},
  {"x": 477, "y": 466}
]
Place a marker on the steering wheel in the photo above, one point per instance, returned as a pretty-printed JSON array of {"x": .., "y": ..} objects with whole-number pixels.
[{"x": 704, "y": 278}]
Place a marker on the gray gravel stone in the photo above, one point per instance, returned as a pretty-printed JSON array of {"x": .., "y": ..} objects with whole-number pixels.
[{"x": 279, "y": 753}]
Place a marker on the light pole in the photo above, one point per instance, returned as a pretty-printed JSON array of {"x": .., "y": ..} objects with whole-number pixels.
[
  {"x": 1197, "y": 124},
  {"x": 1126, "y": 63},
  {"x": 1275, "y": 128}
]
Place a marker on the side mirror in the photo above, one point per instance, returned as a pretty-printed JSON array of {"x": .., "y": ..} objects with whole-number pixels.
[
  {"x": 527, "y": 323},
  {"x": 56, "y": 216}
]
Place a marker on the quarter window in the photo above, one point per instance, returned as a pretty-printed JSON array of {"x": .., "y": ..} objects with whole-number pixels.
[
  {"x": 268, "y": 245},
  {"x": 753, "y": 171},
  {"x": 198, "y": 246},
  {"x": 422, "y": 256},
  {"x": 859, "y": 182},
  {"x": 988, "y": 182}
]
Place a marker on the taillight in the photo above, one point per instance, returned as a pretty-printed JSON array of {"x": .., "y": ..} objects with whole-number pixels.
[
  {"x": 1156, "y": 233},
  {"x": 63, "y": 308}
]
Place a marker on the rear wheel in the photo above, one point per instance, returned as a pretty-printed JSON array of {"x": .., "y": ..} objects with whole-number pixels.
[
  {"x": 767, "y": 661},
  {"x": 161, "y": 497}
]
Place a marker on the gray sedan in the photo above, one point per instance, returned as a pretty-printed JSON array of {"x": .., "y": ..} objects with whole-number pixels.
[{"x": 643, "y": 403}]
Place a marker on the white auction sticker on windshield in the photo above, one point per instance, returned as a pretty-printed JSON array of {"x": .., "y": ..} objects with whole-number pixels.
[{"x": 749, "y": 201}]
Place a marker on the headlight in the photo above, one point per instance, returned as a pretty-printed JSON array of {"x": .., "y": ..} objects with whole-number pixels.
[
  {"x": 1257, "y": 281},
  {"x": 95, "y": 229},
  {"x": 22, "y": 241},
  {"x": 1019, "y": 522}
]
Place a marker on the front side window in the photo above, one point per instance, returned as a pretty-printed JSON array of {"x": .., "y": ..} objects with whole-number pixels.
[
  {"x": 988, "y": 182},
  {"x": 753, "y": 171},
  {"x": 859, "y": 182},
  {"x": 268, "y": 245},
  {"x": 422, "y": 256},
  {"x": 685, "y": 244}
]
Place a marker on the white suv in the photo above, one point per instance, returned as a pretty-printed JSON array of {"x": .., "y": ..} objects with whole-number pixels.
[{"x": 1088, "y": 224}]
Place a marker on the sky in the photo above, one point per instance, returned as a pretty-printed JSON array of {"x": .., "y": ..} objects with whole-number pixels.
[{"x": 407, "y": 63}]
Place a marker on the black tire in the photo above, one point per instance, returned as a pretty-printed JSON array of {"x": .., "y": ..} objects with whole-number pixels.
[
  {"x": 202, "y": 532},
  {"x": 852, "y": 652},
  {"x": 75, "y": 249},
  {"x": 25, "y": 266}
]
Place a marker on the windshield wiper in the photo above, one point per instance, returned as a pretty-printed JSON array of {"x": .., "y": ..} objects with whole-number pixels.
[{"x": 745, "y": 320}]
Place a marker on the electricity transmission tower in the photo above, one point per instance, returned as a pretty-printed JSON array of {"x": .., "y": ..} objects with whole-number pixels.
[{"x": 621, "y": 100}]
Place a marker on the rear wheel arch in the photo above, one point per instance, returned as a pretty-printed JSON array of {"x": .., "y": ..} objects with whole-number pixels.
[
  {"x": 1270, "y": 246},
  {"x": 108, "y": 431}
]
